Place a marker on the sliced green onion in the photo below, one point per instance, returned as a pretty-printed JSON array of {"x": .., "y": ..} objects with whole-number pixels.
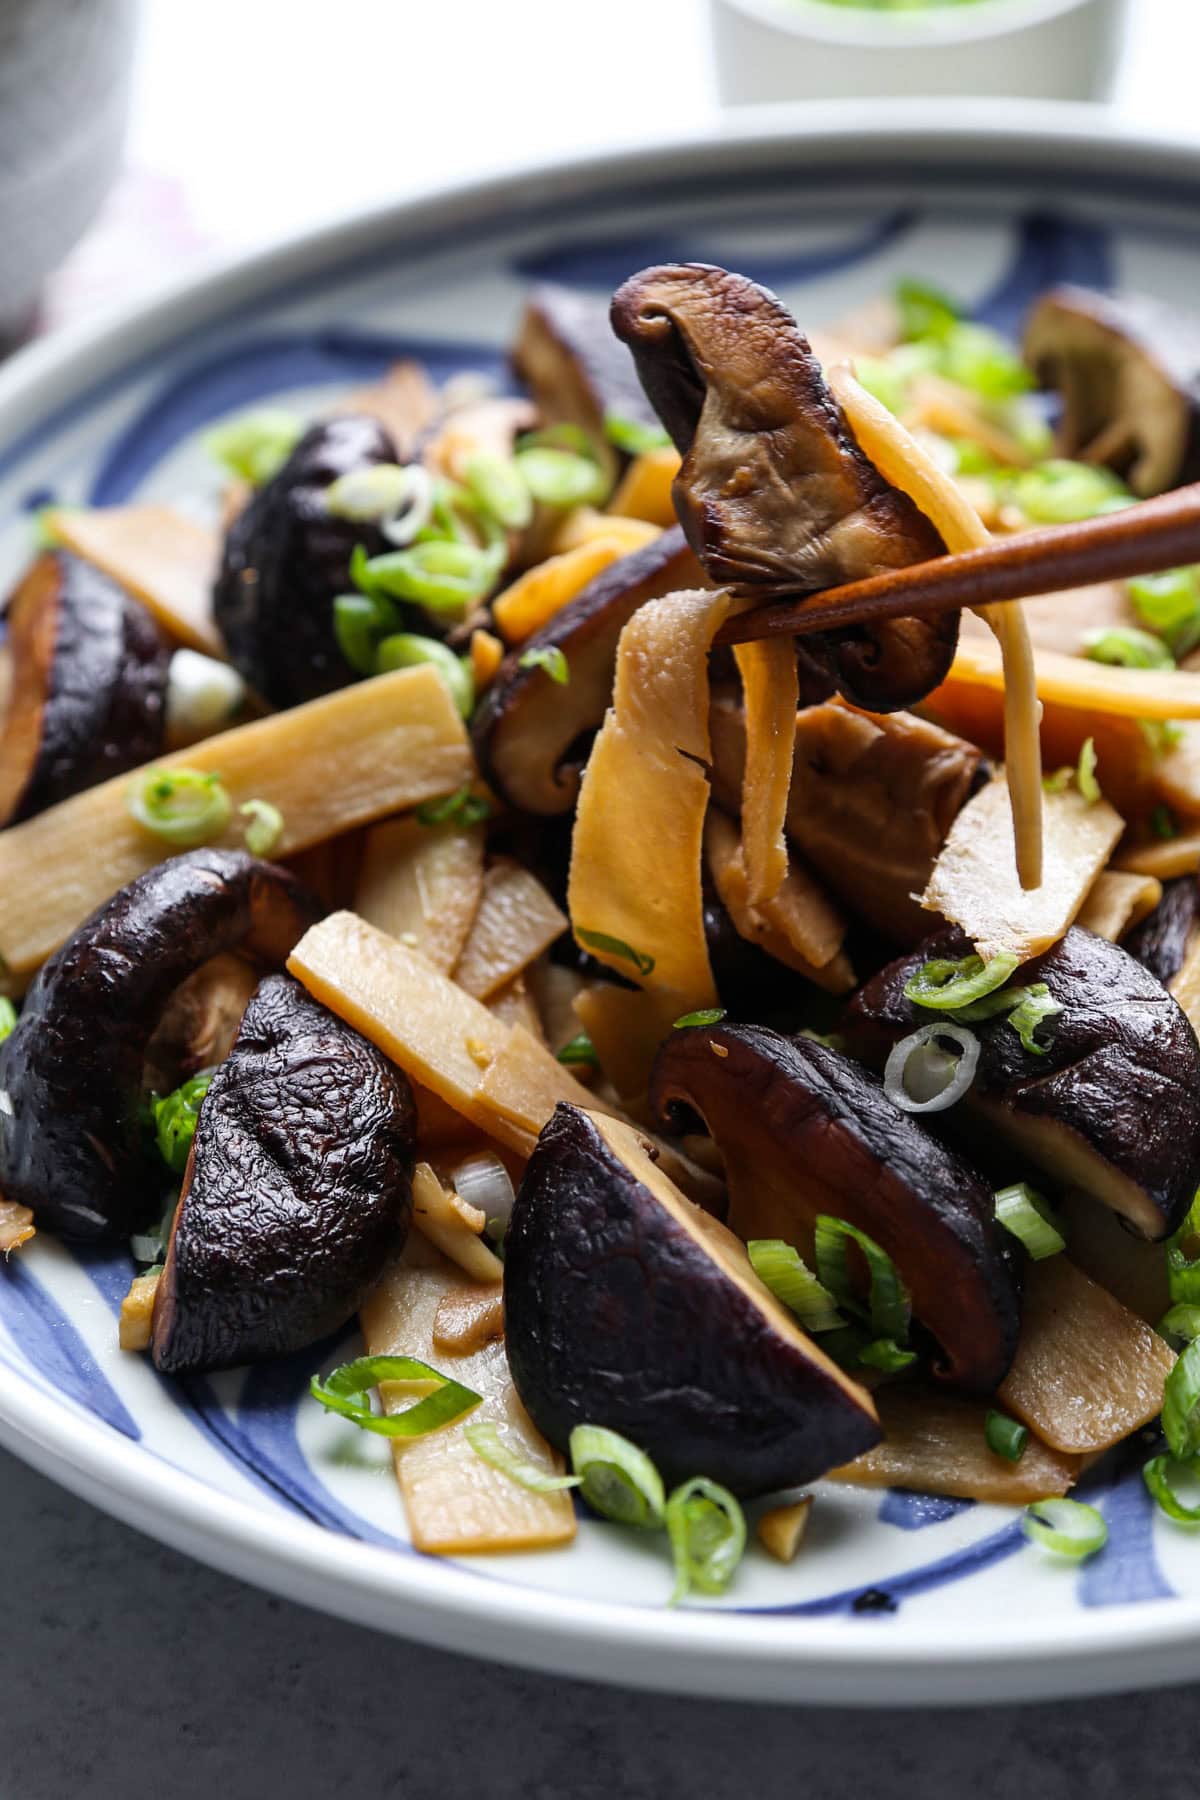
[
  {"x": 1183, "y": 1277},
  {"x": 340, "y": 1393},
  {"x": 1161, "y": 735},
  {"x": 947, "y": 983},
  {"x": 925, "y": 311},
  {"x": 497, "y": 485},
  {"x": 1160, "y": 1476},
  {"x": 1035, "y": 1005},
  {"x": 445, "y": 577},
  {"x": 888, "y": 1307},
  {"x": 184, "y": 807},
  {"x": 1085, "y": 773},
  {"x": 1181, "y": 1406},
  {"x": 405, "y": 650},
  {"x": 1058, "y": 782},
  {"x": 886, "y": 1354},
  {"x": 1169, "y": 603},
  {"x": 255, "y": 445},
  {"x": 882, "y": 379},
  {"x": 359, "y": 621},
  {"x": 977, "y": 358},
  {"x": 1067, "y": 1527},
  {"x": 711, "y": 1015},
  {"x": 580, "y": 1049},
  {"x": 616, "y": 1478},
  {"x": 600, "y": 940},
  {"x": 265, "y": 830},
  {"x": 175, "y": 1119},
  {"x": 707, "y": 1529},
  {"x": 1058, "y": 492},
  {"x": 782, "y": 1269},
  {"x": 560, "y": 478},
  {"x": 368, "y": 496},
  {"x": 1180, "y": 1324},
  {"x": 1126, "y": 647},
  {"x": 631, "y": 436},
  {"x": 921, "y": 1076},
  {"x": 8, "y": 1018},
  {"x": 487, "y": 1443},
  {"x": 1162, "y": 823},
  {"x": 1004, "y": 1436},
  {"x": 548, "y": 657},
  {"x": 460, "y": 808},
  {"x": 1023, "y": 1211}
]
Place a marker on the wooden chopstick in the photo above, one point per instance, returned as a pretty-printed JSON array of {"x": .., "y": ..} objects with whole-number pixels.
[{"x": 1139, "y": 540}]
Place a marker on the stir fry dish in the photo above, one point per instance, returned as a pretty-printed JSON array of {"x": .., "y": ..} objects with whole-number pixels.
[{"x": 668, "y": 895}]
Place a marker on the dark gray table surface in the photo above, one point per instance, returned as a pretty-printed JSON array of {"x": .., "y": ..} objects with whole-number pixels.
[{"x": 126, "y": 1669}]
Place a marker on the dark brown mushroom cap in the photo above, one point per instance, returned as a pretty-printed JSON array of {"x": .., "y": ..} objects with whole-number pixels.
[
  {"x": 71, "y": 1143},
  {"x": 775, "y": 496},
  {"x": 527, "y": 726},
  {"x": 286, "y": 559},
  {"x": 88, "y": 688},
  {"x": 1113, "y": 1107},
  {"x": 297, "y": 1188},
  {"x": 627, "y": 1307},
  {"x": 1128, "y": 371},
  {"x": 576, "y": 371},
  {"x": 1163, "y": 939},
  {"x": 804, "y": 1130}
]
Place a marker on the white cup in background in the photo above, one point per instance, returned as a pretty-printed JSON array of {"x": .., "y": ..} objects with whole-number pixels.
[{"x": 807, "y": 50}]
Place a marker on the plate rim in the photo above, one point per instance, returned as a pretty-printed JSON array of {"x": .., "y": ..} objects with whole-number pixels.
[{"x": 776, "y": 1658}]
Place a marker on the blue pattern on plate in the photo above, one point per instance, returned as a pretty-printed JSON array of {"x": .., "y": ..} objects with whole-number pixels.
[
  {"x": 913, "y": 1512},
  {"x": 1052, "y": 248},
  {"x": 48, "y": 1340},
  {"x": 1127, "y": 1569},
  {"x": 256, "y": 368}
]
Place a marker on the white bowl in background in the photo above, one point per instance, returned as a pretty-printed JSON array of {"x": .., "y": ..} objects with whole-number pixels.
[{"x": 809, "y": 50}]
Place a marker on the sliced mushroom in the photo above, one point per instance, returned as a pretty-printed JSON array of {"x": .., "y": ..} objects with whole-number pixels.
[
  {"x": 626, "y": 1306},
  {"x": 577, "y": 373},
  {"x": 871, "y": 802},
  {"x": 803, "y": 1131},
  {"x": 1128, "y": 371},
  {"x": 528, "y": 725},
  {"x": 287, "y": 558},
  {"x": 774, "y": 494},
  {"x": 1108, "y": 1107},
  {"x": 1166, "y": 937},
  {"x": 71, "y": 1148},
  {"x": 200, "y": 1022},
  {"x": 88, "y": 690},
  {"x": 297, "y": 1190}
]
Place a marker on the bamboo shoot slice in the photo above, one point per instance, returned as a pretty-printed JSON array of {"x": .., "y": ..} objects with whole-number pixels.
[
  {"x": 137, "y": 1313},
  {"x": 1087, "y": 1371},
  {"x": 468, "y": 1318},
  {"x": 334, "y": 763},
  {"x": 908, "y": 466},
  {"x": 1117, "y": 902},
  {"x": 515, "y": 1005},
  {"x": 636, "y": 850},
  {"x": 453, "y": 1227},
  {"x": 1174, "y": 857},
  {"x": 1185, "y": 986},
  {"x": 516, "y": 920},
  {"x": 164, "y": 559},
  {"x": 535, "y": 597},
  {"x": 422, "y": 884},
  {"x": 771, "y": 686},
  {"x": 644, "y": 491},
  {"x": 626, "y": 1028},
  {"x": 799, "y": 927},
  {"x": 782, "y": 1530},
  {"x": 16, "y": 1226},
  {"x": 456, "y": 1503},
  {"x": 934, "y": 1444},
  {"x": 405, "y": 402},
  {"x": 974, "y": 882},
  {"x": 583, "y": 525}
]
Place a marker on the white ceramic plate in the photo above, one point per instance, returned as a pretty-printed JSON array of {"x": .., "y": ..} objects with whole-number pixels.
[{"x": 241, "y": 1470}]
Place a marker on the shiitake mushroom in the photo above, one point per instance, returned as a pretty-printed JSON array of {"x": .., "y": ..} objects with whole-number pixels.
[
  {"x": 802, "y": 1131},
  {"x": 774, "y": 495},
  {"x": 88, "y": 686},
  {"x": 627, "y": 1306},
  {"x": 296, "y": 1193},
  {"x": 1106, "y": 1104},
  {"x": 71, "y": 1072},
  {"x": 287, "y": 558}
]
